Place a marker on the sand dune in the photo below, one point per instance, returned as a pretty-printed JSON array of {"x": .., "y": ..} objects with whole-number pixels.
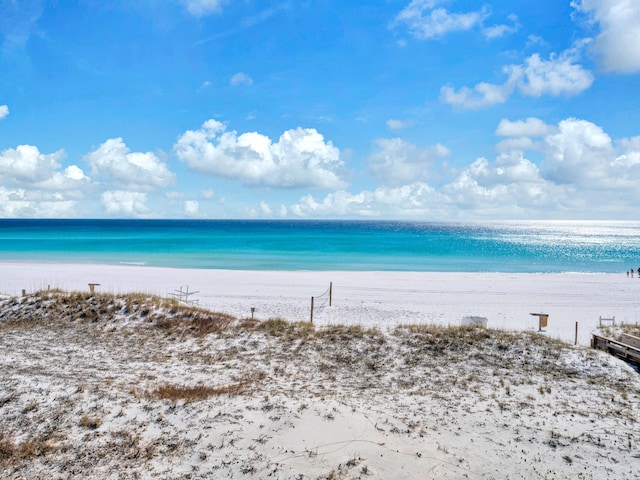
[{"x": 102, "y": 386}]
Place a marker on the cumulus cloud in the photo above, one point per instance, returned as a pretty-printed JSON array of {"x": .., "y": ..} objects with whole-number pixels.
[
  {"x": 522, "y": 134},
  {"x": 580, "y": 169},
  {"x": 509, "y": 186},
  {"x": 580, "y": 153},
  {"x": 115, "y": 161},
  {"x": 19, "y": 202},
  {"x": 559, "y": 75},
  {"x": 396, "y": 161},
  {"x": 425, "y": 21},
  {"x": 34, "y": 184},
  {"x": 14, "y": 204},
  {"x": 531, "y": 127},
  {"x": 617, "y": 45},
  {"x": 300, "y": 157},
  {"x": 25, "y": 163},
  {"x": 241, "y": 79},
  {"x": 577, "y": 154},
  {"x": 72, "y": 179},
  {"x": 4, "y": 111},
  {"x": 200, "y": 8},
  {"x": 120, "y": 202}
]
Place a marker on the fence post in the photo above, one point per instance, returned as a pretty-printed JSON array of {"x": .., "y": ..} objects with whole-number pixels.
[
  {"x": 330, "y": 293},
  {"x": 576, "y": 340},
  {"x": 311, "y": 309}
]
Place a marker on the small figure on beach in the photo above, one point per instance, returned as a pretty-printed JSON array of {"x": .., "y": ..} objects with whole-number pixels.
[{"x": 632, "y": 273}]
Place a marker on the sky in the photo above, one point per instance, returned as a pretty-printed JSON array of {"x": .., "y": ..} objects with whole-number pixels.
[{"x": 434, "y": 110}]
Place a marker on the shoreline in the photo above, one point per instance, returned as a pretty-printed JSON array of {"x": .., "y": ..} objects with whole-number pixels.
[{"x": 378, "y": 299}]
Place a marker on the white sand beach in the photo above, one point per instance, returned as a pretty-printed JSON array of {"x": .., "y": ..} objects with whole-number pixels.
[
  {"x": 366, "y": 298},
  {"x": 81, "y": 381}
]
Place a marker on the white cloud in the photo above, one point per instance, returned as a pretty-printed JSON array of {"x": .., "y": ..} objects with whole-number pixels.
[
  {"x": 397, "y": 162},
  {"x": 510, "y": 186},
  {"x": 533, "y": 40},
  {"x": 559, "y": 75},
  {"x": 581, "y": 170},
  {"x": 4, "y": 111},
  {"x": 482, "y": 95},
  {"x": 191, "y": 207},
  {"x": 119, "y": 202},
  {"x": 33, "y": 184},
  {"x": 16, "y": 203},
  {"x": 556, "y": 76},
  {"x": 518, "y": 143},
  {"x": 531, "y": 127},
  {"x": 266, "y": 209},
  {"x": 113, "y": 160},
  {"x": 629, "y": 160},
  {"x": 577, "y": 154},
  {"x": 25, "y": 163},
  {"x": 72, "y": 179},
  {"x": 241, "y": 79},
  {"x": 617, "y": 45},
  {"x": 580, "y": 153},
  {"x": 425, "y": 21},
  {"x": 206, "y": 84},
  {"x": 497, "y": 31},
  {"x": 207, "y": 194},
  {"x": 416, "y": 199},
  {"x": 13, "y": 203},
  {"x": 200, "y": 8},
  {"x": 399, "y": 124},
  {"x": 300, "y": 158}
]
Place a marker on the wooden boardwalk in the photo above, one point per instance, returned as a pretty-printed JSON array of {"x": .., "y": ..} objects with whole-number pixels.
[{"x": 628, "y": 348}]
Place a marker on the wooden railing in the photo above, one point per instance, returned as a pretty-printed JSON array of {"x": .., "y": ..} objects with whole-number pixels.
[{"x": 622, "y": 350}]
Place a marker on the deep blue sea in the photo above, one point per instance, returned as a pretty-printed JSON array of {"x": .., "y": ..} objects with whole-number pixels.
[{"x": 328, "y": 245}]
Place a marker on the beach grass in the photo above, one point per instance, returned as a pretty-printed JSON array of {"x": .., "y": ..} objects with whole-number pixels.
[{"x": 144, "y": 386}]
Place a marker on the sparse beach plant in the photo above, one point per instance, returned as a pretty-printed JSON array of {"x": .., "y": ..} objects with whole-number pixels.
[
  {"x": 188, "y": 394},
  {"x": 90, "y": 422}
]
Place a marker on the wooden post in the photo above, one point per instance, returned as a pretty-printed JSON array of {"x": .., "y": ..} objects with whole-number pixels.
[
  {"x": 576, "y": 340},
  {"x": 330, "y": 293},
  {"x": 311, "y": 309},
  {"x": 24, "y": 292}
]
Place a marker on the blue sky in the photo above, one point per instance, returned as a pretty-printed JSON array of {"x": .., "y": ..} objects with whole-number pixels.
[{"x": 423, "y": 109}]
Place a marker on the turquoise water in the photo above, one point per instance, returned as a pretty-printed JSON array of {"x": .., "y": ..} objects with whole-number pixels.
[{"x": 328, "y": 245}]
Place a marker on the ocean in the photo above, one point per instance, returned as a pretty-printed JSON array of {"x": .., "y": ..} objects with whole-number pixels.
[{"x": 315, "y": 245}]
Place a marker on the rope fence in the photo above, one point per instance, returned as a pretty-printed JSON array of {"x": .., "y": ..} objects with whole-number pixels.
[{"x": 320, "y": 302}]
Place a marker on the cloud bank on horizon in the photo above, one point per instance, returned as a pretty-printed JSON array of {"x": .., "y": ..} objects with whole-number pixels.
[{"x": 420, "y": 109}]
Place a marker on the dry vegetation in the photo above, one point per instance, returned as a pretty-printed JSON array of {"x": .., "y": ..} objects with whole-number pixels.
[
  {"x": 119, "y": 386},
  {"x": 615, "y": 331}
]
